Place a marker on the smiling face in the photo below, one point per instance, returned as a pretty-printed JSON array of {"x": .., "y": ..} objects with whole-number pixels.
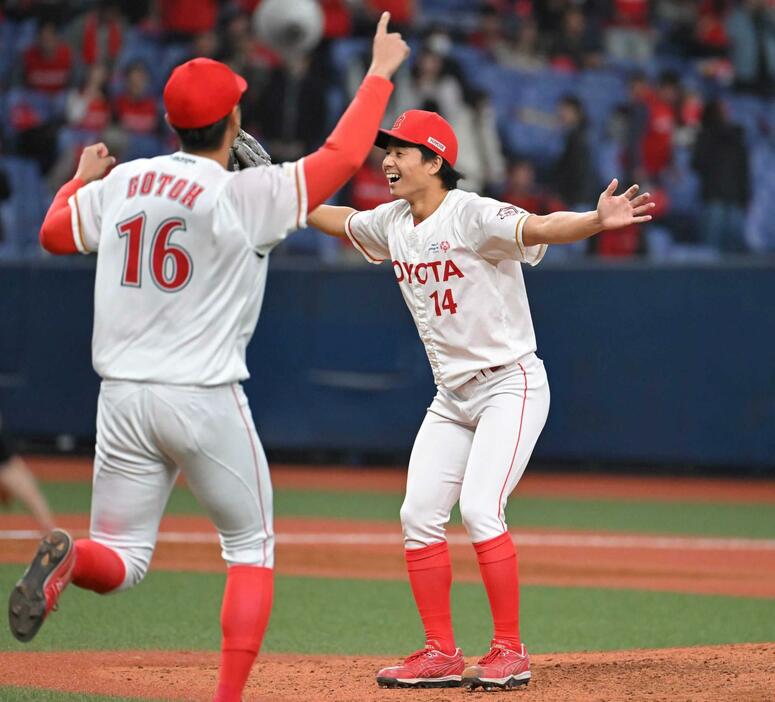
[{"x": 407, "y": 174}]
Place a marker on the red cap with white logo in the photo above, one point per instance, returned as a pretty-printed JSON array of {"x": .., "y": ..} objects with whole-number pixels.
[
  {"x": 200, "y": 92},
  {"x": 424, "y": 129}
]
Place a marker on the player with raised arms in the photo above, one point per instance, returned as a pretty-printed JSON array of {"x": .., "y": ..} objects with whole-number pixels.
[
  {"x": 456, "y": 258},
  {"x": 183, "y": 246}
]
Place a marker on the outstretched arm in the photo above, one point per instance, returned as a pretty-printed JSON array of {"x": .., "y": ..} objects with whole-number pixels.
[
  {"x": 332, "y": 165},
  {"x": 330, "y": 220},
  {"x": 613, "y": 212}
]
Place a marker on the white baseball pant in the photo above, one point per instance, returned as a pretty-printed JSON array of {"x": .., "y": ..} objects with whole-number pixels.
[
  {"x": 474, "y": 446},
  {"x": 146, "y": 434}
]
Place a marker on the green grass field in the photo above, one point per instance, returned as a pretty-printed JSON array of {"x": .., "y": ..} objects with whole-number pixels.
[
  {"x": 639, "y": 516},
  {"x": 174, "y": 610}
]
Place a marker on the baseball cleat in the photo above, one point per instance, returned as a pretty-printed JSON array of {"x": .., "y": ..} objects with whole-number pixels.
[
  {"x": 428, "y": 667},
  {"x": 38, "y": 591},
  {"x": 500, "y": 669}
]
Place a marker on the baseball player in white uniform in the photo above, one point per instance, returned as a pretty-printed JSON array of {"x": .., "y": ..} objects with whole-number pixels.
[
  {"x": 183, "y": 247},
  {"x": 456, "y": 258}
]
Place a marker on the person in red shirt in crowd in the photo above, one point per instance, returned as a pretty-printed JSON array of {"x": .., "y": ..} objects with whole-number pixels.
[
  {"x": 87, "y": 108},
  {"x": 99, "y": 34},
  {"x": 710, "y": 32},
  {"x": 657, "y": 114},
  {"x": 576, "y": 45},
  {"x": 182, "y": 18},
  {"x": 629, "y": 36},
  {"x": 136, "y": 110},
  {"x": 337, "y": 19},
  {"x": 369, "y": 187},
  {"x": 522, "y": 191},
  {"x": 48, "y": 63},
  {"x": 87, "y": 112}
]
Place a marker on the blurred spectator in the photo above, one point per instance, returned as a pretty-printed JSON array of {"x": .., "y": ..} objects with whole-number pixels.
[
  {"x": 522, "y": 191},
  {"x": 136, "y": 110},
  {"x": 481, "y": 154},
  {"x": 87, "y": 115},
  {"x": 292, "y": 107},
  {"x": 575, "y": 45},
  {"x": 721, "y": 161},
  {"x": 490, "y": 35},
  {"x": 48, "y": 63},
  {"x": 751, "y": 28},
  {"x": 629, "y": 37},
  {"x": 710, "y": 34},
  {"x": 337, "y": 19},
  {"x": 549, "y": 14},
  {"x": 368, "y": 187},
  {"x": 180, "y": 19},
  {"x": 574, "y": 179},
  {"x": 524, "y": 52},
  {"x": 246, "y": 57},
  {"x": 660, "y": 106},
  {"x": 87, "y": 108},
  {"x": 99, "y": 34}
]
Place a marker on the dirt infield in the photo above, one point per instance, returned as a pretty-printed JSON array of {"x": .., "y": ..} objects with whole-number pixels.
[
  {"x": 392, "y": 479},
  {"x": 373, "y": 550},
  {"x": 741, "y": 673}
]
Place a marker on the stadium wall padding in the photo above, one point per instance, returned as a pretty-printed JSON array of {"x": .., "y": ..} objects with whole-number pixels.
[{"x": 670, "y": 364}]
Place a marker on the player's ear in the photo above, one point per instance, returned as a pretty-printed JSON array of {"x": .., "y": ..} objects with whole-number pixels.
[
  {"x": 435, "y": 165},
  {"x": 235, "y": 119}
]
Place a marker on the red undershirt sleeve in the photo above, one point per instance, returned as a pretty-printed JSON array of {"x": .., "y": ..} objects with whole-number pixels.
[
  {"x": 345, "y": 150},
  {"x": 56, "y": 233}
]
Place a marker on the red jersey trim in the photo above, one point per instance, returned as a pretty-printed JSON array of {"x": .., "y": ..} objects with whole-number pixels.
[
  {"x": 301, "y": 195},
  {"x": 357, "y": 244},
  {"x": 75, "y": 219}
]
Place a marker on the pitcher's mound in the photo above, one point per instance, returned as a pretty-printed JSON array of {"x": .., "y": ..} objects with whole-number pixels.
[{"x": 743, "y": 673}]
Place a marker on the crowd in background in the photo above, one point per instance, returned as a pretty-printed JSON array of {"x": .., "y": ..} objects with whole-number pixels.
[{"x": 549, "y": 99}]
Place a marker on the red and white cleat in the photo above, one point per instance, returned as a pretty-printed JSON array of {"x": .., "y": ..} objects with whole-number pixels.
[
  {"x": 428, "y": 667},
  {"x": 38, "y": 591},
  {"x": 502, "y": 668}
]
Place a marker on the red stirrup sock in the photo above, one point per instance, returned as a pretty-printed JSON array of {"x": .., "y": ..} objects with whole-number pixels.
[
  {"x": 247, "y": 602},
  {"x": 498, "y": 566},
  {"x": 97, "y": 567},
  {"x": 430, "y": 575}
]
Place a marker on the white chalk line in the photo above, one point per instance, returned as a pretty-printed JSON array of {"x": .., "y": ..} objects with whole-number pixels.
[{"x": 612, "y": 541}]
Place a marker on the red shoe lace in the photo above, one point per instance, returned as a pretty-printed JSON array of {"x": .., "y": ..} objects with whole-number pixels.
[
  {"x": 418, "y": 654},
  {"x": 491, "y": 656}
]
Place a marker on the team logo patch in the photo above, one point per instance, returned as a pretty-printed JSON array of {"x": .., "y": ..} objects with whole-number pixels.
[
  {"x": 509, "y": 211},
  {"x": 444, "y": 246},
  {"x": 399, "y": 121},
  {"x": 437, "y": 144}
]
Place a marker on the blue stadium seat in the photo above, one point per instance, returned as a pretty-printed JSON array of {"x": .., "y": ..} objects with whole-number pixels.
[{"x": 26, "y": 207}]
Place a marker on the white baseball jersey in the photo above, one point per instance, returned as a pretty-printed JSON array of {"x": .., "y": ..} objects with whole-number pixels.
[
  {"x": 182, "y": 263},
  {"x": 459, "y": 273}
]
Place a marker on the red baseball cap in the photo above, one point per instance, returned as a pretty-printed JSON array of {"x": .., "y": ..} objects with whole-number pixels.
[
  {"x": 424, "y": 129},
  {"x": 200, "y": 92}
]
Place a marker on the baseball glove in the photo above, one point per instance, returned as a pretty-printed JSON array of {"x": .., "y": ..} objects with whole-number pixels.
[{"x": 246, "y": 152}]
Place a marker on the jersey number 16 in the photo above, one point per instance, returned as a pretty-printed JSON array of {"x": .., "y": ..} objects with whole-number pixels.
[{"x": 171, "y": 264}]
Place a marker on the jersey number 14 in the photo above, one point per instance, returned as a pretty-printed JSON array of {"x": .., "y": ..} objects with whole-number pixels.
[
  {"x": 447, "y": 302},
  {"x": 171, "y": 264}
]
